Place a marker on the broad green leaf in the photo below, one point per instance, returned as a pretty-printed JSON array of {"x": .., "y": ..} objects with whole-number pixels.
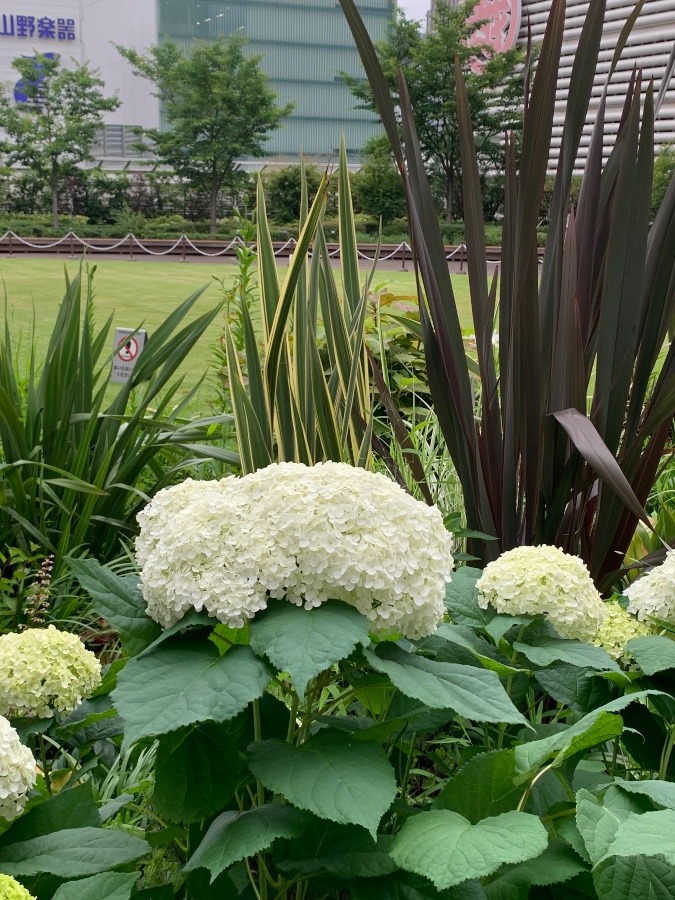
[
  {"x": 118, "y": 599},
  {"x": 106, "y": 886},
  {"x": 407, "y": 886},
  {"x": 651, "y": 834},
  {"x": 597, "y": 825},
  {"x": 483, "y": 787},
  {"x": 197, "y": 771},
  {"x": 72, "y": 853},
  {"x": 545, "y": 651},
  {"x": 558, "y": 863},
  {"x": 332, "y": 775},
  {"x": 234, "y": 836},
  {"x": 72, "y": 808},
  {"x": 355, "y": 855},
  {"x": 578, "y": 688},
  {"x": 191, "y": 620},
  {"x": 485, "y": 653},
  {"x": 500, "y": 624},
  {"x": 184, "y": 683},
  {"x": 662, "y": 793},
  {"x": 653, "y": 654},
  {"x": 634, "y": 878},
  {"x": 446, "y": 848},
  {"x": 461, "y": 598},
  {"x": 472, "y": 692},
  {"x": 594, "y": 728},
  {"x": 304, "y": 642}
]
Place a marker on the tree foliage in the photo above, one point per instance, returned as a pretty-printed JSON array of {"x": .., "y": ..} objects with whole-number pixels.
[
  {"x": 377, "y": 187},
  {"x": 218, "y": 105},
  {"x": 54, "y": 129},
  {"x": 284, "y": 191},
  {"x": 495, "y": 92}
]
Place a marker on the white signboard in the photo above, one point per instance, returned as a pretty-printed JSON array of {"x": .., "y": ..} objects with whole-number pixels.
[{"x": 127, "y": 347}]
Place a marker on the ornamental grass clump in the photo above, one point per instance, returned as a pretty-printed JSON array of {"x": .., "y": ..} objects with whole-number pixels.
[
  {"x": 17, "y": 772},
  {"x": 544, "y": 580},
  {"x": 43, "y": 670},
  {"x": 306, "y": 534},
  {"x": 653, "y": 595}
]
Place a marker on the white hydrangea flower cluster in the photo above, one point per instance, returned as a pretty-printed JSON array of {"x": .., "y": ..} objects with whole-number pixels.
[
  {"x": 619, "y": 628},
  {"x": 653, "y": 594},
  {"x": 544, "y": 579},
  {"x": 10, "y": 889},
  {"x": 17, "y": 772},
  {"x": 42, "y": 670},
  {"x": 306, "y": 534}
]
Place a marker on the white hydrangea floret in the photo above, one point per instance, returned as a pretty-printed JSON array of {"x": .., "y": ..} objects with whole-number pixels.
[
  {"x": 306, "y": 534},
  {"x": 653, "y": 594},
  {"x": 544, "y": 579},
  {"x": 17, "y": 772},
  {"x": 619, "y": 628},
  {"x": 42, "y": 670}
]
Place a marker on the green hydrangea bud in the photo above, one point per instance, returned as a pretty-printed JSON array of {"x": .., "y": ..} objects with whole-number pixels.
[{"x": 42, "y": 670}]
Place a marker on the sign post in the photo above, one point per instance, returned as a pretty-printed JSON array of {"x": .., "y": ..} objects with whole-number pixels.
[
  {"x": 501, "y": 24},
  {"x": 127, "y": 347}
]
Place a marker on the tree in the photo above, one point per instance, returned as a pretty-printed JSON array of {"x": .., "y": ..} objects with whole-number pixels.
[
  {"x": 495, "y": 91},
  {"x": 54, "y": 127},
  {"x": 377, "y": 187},
  {"x": 218, "y": 106},
  {"x": 283, "y": 189}
]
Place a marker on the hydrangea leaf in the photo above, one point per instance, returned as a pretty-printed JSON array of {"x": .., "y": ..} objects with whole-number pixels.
[
  {"x": 331, "y": 775},
  {"x": 407, "y": 886},
  {"x": 304, "y": 642},
  {"x": 577, "y": 736},
  {"x": 483, "y": 787},
  {"x": 579, "y": 688},
  {"x": 633, "y": 877},
  {"x": 597, "y": 825},
  {"x": 234, "y": 836},
  {"x": 461, "y": 599},
  {"x": 557, "y": 864},
  {"x": 649, "y": 834},
  {"x": 474, "y": 693},
  {"x": 74, "y": 808},
  {"x": 563, "y": 744},
  {"x": 341, "y": 851},
  {"x": 72, "y": 852},
  {"x": 191, "y": 782},
  {"x": 653, "y": 654},
  {"x": 184, "y": 683},
  {"x": 546, "y": 651},
  {"x": 106, "y": 886},
  {"x": 119, "y": 600},
  {"x": 448, "y": 849},
  {"x": 662, "y": 793}
]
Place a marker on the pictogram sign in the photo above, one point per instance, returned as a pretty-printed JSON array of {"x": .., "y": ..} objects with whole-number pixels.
[{"x": 127, "y": 347}]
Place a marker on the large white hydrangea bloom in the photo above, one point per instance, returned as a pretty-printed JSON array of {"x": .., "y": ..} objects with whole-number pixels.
[
  {"x": 544, "y": 579},
  {"x": 303, "y": 533},
  {"x": 11, "y": 889},
  {"x": 653, "y": 594},
  {"x": 42, "y": 670},
  {"x": 17, "y": 772}
]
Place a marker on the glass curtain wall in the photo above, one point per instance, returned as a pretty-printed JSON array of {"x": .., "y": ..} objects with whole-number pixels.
[{"x": 304, "y": 45}]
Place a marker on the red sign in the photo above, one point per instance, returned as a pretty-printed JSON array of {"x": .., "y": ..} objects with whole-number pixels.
[{"x": 501, "y": 28}]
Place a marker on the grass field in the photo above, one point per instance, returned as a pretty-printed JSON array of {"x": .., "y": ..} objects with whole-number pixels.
[{"x": 143, "y": 293}]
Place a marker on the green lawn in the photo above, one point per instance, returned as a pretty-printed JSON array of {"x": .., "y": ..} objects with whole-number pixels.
[{"x": 144, "y": 292}]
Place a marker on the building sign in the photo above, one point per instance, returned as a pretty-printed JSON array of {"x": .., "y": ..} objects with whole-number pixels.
[
  {"x": 127, "y": 348},
  {"x": 40, "y": 27},
  {"x": 501, "y": 28}
]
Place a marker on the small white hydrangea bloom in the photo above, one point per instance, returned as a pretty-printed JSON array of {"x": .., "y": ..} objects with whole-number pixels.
[
  {"x": 17, "y": 772},
  {"x": 544, "y": 579},
  {"x": 653, "y": 594},
  {"x": 42, "y": 670},
  {"x": 306, "y": 534},
  {"x": 10, "y": 889},
  {"x": 619, "y": 628}
]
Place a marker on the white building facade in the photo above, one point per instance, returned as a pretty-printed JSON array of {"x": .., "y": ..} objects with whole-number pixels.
[{"x": 648, "y": 48}]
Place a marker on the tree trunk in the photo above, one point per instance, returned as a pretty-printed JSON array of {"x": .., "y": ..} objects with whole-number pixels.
[
  {"x": 449, "y": 195},
  {"x": 215, "y": 188},
  {"x": 54, "y": 182}
]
